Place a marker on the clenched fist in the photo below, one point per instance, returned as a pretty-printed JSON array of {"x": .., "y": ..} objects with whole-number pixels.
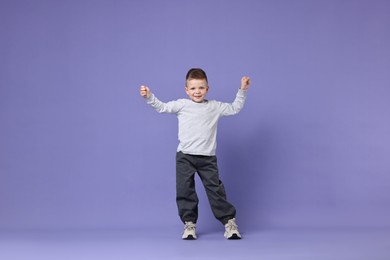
[
  {"x": 245, "y": 82},
  {"x": 144, "y": 91}
]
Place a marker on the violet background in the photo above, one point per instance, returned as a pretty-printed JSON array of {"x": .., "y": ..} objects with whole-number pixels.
[{"x": 80, "y": 149}]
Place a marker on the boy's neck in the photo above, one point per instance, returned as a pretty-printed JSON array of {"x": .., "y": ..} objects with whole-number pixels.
[{"x": 203, "y": 101}]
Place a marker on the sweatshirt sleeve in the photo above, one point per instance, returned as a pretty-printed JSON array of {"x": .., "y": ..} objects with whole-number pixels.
[
  {"x": 171, "y": 107},
  {"x": 228, "y": 109}
]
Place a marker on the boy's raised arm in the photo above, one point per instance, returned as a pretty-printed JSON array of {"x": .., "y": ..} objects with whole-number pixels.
[
  {"x": 229, "y": 109},
  {"x": 161, "y": 107}
]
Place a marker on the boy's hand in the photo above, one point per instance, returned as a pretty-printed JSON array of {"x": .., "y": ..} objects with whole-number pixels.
[
  {"x": 245, "y": 82},
  {"x": 144, "y": 91}
]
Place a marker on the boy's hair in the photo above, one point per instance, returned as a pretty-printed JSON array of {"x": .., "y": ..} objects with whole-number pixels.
[{"x": 196, "y": 73}]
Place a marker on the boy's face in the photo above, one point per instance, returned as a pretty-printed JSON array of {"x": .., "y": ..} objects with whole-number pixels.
[{"x": 197, "y": 89}]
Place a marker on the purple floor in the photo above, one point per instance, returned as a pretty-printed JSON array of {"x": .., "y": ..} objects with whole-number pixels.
[{"x": 165, "y": 243}]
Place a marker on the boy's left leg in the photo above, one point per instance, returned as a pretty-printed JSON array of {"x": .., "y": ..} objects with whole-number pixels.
[
  {"x": 223, "y": 210},
  {"x": 208, "y": 171}
]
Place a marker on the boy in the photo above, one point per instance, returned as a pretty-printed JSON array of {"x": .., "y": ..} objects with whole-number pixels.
[{"x": 198, "y": 119}]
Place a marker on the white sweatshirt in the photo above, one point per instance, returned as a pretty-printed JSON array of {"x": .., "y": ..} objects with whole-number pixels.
[{"x": 198, "y": 121}]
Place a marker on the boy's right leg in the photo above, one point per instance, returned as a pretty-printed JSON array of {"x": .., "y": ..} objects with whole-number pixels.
[{"x": 186, "y": 197}]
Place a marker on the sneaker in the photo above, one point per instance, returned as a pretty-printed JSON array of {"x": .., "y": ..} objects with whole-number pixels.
[
  {"x": 189, "y": 231},
  {"x": 231, "y": 230}
]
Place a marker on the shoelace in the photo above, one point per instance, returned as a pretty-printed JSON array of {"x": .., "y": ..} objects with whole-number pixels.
[
  {"x": 231, "y": 225},
  {"x": 189, "y": 226}
]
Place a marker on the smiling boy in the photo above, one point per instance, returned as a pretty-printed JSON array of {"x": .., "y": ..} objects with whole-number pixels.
[{"x": 196, "y": 152}]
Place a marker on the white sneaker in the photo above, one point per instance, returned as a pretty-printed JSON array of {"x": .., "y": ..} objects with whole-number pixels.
[
  {"x": 189, "y": 231},
  {"x": 231, "y": 230}
]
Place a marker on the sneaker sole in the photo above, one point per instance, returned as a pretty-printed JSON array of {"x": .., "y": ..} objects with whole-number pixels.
[
  {"x": 190, "y": 237},
  {"x": 234, "y": 237}
]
